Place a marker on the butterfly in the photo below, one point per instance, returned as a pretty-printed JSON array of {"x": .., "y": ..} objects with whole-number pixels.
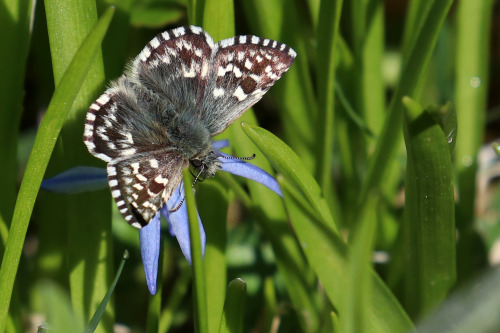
[{"x": 160, "y": 115}]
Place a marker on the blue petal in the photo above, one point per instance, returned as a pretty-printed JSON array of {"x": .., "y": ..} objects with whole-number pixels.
[
  {"x": 250, "y": 171},
  {"x": 219, "y": 144},
  {"x": 149, "y": 237},
  {"x": 77, "y": 180},
  {"x": 179, "y": 224}
]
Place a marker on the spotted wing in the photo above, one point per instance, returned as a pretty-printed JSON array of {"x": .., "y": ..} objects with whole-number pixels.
[
  {"x": 243, "y": 70},
  {"x": 175, "y": 65},
  {"x": 140, "y": 185}
]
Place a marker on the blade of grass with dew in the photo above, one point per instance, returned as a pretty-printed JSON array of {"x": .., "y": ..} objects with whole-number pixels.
[
  {"x": 429, "y": 212},
  {"x": 411, "y": 79},
  {"x": 96, "y": 318},
  {"x": 15, "y": 24},
  {"x": 325, "y": 250},
  {"x": 89, "y": 231},
  {"x": 199, "y": 282},
  {"x": 40, "y": 154},
  {"x": 327, "y": 34},
  {"x": 234, "y": 307},
  {"x": 471, "y": 91}
]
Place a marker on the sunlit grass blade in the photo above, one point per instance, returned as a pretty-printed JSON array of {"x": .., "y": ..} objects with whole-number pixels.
[
  {"x": 290, "y": 165},
  {"x": 234, "y": 307},
  {"x": 429, "y": 212},
  {"x": 44, "y": 144},
  {"x": 96, "y": 318},
  {"x": 199, "y": 283}
]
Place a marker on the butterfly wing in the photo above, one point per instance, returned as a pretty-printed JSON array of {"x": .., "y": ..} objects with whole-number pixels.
[
  {"x": 243, "y": 69},
  {"x": 142, "y": 184},
  {"x": 175, "y": 65}
]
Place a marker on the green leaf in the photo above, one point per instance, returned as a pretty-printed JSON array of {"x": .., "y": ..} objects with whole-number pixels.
[
  {"x": 429, "y": 212},
  {"x": 96, "y": 318},
  {"x": 322, "y": 245},
  {"x": 290, "y": 165},
  {"x": 359, "y": 293},
  {"x": 199, "y": 283},
  {"x": 328, "y": 256},
  {"x": 234, "y": 307},
  {"x": 412, "y": 77},
  {"x": 44, "y": 144}
]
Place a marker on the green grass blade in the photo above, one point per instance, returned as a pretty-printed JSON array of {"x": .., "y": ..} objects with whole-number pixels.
[
  {"x": 89, "y": 239},
  {"x": 359, "y": 294},
  {"x": 96, "y": 318},
  {"x": 234, "y": 307},
  {"x": 328, "y": 256},
  {"x": 15, "y": 20},
  {"x": 199, "y": 283},
  {"x": 327, "y": 32},
  {"x": 429, "y": 212},
  {"x": 325, "y": 250},
  {"x": 291, "y": 166},
  {"x": 44, "y": 144},
  {"x": 411, "y": 79},
  {"x": 213, "y": 205},
  {"x": 471, "y": 91}
]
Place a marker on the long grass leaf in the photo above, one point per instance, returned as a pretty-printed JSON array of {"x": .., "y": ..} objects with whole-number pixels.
[{"x": 40, "y": 154}]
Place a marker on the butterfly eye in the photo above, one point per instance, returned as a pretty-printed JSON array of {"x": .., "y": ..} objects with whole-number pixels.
[{"x": 196, "y": 163}]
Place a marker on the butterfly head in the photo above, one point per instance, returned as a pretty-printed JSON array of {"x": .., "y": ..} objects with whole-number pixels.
[{"x": 206, "y": 163}]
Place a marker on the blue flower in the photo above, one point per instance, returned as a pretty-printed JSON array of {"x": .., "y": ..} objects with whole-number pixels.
[{"x": 82, "y": 179}]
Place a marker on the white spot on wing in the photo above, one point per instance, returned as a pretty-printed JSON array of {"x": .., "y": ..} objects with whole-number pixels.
[
  {"x": 160, "y": 180},
  {"x": 240, "y": 94},
  {"x": 155, "y": 42},
  {"x": 255, "y": 40},
  {"x": 218, "y": 92},
  {"x": 248, "y": 64},
  {"x": 103, "y": 99}
]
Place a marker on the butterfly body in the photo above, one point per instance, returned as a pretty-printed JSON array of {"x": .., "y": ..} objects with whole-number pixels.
[{"x": 160, "y": 115}]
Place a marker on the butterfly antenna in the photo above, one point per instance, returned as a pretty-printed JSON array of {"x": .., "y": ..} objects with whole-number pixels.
[
  {"x": 246, "y": 158},
  {"x": 176, "y": 208}
]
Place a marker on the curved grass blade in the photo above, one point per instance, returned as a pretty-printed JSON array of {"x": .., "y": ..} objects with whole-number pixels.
[
  {"x": 42, "y": 149},
  {"x": 96, "y": 318}
]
